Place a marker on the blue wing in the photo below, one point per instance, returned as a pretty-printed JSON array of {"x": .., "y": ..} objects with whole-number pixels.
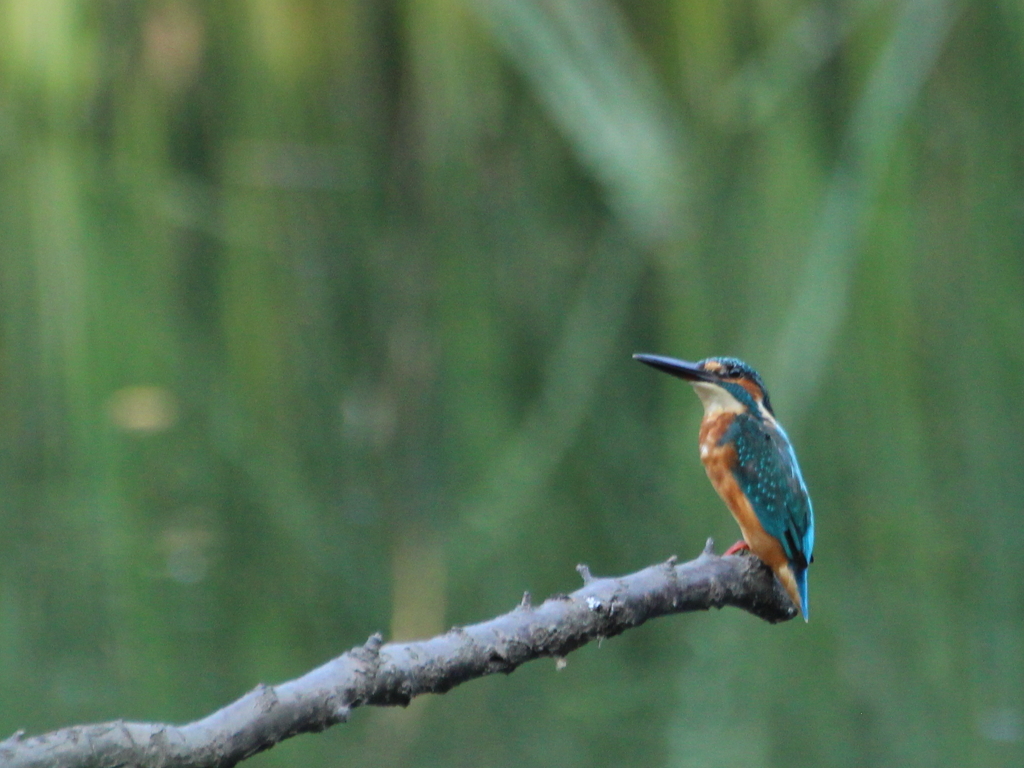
[{"x": 767, "y": 472}]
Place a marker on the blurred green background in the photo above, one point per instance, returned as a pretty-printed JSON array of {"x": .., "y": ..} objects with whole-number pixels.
[{"x": 316, "y": 320}]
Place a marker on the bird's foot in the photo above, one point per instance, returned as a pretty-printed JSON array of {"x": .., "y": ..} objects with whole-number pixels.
[{"x": 739, "y": 546}]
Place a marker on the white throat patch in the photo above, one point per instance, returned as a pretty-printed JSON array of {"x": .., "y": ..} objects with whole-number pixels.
[{"x": 716, "y": 399}]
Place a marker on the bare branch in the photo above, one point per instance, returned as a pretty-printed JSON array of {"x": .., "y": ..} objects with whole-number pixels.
[{"x": 375, "y": 674}]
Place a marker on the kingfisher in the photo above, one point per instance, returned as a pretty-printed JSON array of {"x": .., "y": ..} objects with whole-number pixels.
[{"x": 751, "y": 463}]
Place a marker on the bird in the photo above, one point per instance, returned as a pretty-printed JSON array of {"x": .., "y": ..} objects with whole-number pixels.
[{"x": 751, "y": 464}]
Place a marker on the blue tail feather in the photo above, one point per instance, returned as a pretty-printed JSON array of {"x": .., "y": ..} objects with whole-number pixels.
[{"x": 800, "y": 576}]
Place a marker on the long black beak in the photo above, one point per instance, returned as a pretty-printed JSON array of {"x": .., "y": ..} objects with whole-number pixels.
[{"x": 680, "y": 368}]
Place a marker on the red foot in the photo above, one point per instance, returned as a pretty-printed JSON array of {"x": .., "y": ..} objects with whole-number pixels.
[{"x": 739, "y": 546}]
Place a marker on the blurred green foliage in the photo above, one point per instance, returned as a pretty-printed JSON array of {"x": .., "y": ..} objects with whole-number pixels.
[{"x": 315, "y": 319}]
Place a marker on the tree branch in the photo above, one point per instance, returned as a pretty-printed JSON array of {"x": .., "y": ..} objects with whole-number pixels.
[{"x": 375, "y": 674}]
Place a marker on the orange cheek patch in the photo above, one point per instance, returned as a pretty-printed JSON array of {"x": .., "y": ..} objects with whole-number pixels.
[{"x": 751, "y": 387}]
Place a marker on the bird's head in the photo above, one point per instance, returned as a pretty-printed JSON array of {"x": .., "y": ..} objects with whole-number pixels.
[{"x": 722, "y": 383}]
